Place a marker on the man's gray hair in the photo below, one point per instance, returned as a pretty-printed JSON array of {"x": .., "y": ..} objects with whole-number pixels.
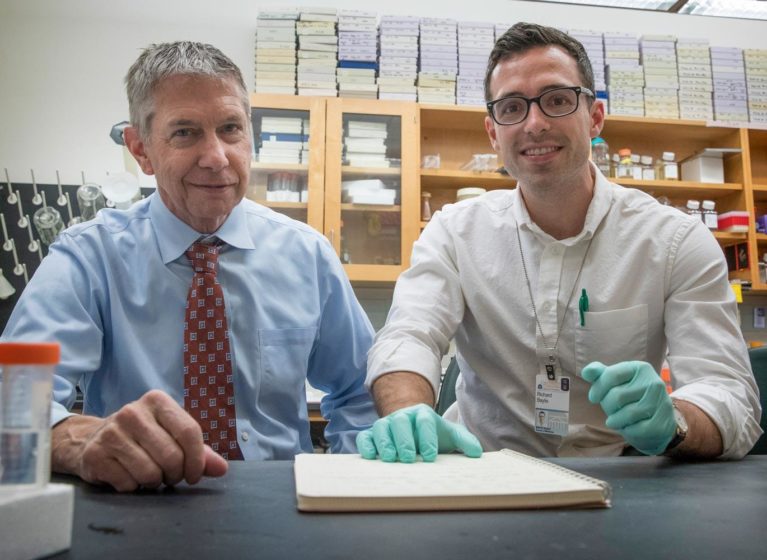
[{"x": 160, "y": 61}]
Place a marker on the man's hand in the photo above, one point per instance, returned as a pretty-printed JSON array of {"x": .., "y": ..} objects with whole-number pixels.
[
  {"x": 146, "y": 443},
  {"x": 417, "y": 429},
  {"x": 635, "y": 400}
]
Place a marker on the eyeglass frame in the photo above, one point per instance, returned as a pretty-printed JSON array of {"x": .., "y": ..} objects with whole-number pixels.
[{"x": 537, "y": 100}]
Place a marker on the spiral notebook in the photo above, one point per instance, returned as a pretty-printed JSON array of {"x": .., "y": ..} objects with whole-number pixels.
[{"x": 498, "y": 480}]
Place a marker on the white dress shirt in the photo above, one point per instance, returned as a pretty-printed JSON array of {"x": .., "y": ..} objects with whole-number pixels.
[{"x": 657, "y": 283}]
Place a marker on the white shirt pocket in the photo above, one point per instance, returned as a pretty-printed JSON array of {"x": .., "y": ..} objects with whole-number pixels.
[{"x": 611, "y": 336}]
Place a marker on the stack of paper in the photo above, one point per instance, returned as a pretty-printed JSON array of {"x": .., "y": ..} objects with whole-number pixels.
[
  {"x": 695, "y": 83},
  {"x": 317, "y": 51},
  {"x": 398, "y": 65},
  {"x": 282, "y": 140},
  {"x": 756, "y": 82},
  {"x": 730, "y": 94},
  {"x": 276, "y": 51},
  {"x": 661, "y": 79},
  {"x": 438, "y": 65},
  {"x": 625, "y": 79},
  {"x": 367, "y": 191},
  {"x": 365, "y": 144},
  {"x": 475, "y": 41},
  {"x": 357, "y": 54},
  {"x": 593, "y": 42}
]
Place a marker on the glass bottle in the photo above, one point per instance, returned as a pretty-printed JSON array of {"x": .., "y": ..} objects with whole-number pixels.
[
  {"x": 668, "y": 167},
  {"x": 48, "y": 223},
  {"x": 636, "y": 167},
  {"x": 90, "y": 199},
  {"x": 624, "y": 165},
  {"x": 710, "y": 215},
  {"x": 425, "y": 206},
  {"x": 614, "y": 163},
  {"x": 693, "y": 209},
  {"x": 600, "y": 155},
  {"x": 648, "y": 171}
]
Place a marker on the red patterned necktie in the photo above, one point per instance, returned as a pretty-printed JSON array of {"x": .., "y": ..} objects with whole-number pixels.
[{"x": 208, "y": 385}]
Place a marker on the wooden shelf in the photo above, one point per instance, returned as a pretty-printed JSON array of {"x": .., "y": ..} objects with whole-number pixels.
[
  {"x": 371, "y": 207},
  {"x": 271, "y": 167},
  {"x": 729, "y": 237},
  {"x": 389, "y": 171},
  {"x": 683, "y": 189},
  {"x": 284, "y": 205},
  {"x": 455, "y": 179}
]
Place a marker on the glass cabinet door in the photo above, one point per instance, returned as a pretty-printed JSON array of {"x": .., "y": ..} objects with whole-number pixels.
[
  {"x": 371, "y": 199},
  {"x": 287, "y": 171}
]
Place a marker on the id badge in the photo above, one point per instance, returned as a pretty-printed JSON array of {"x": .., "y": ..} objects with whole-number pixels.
[{"x": 552, "y": 405}]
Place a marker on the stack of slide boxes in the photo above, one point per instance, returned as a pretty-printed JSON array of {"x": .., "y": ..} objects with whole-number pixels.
[
  {"x": 398, "y": 65},
  {"x": 357, "y": 54},
  {"x": 660, "y": 76},
  {"x": 625, "y": 80},
  {"x": 695, "y": 82},
  {"x": 317, "y": 52},
  {"x": 276, "y": 52}
]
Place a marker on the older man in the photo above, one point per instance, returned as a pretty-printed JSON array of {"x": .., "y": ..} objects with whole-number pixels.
[{"x": 192, "y": 320}]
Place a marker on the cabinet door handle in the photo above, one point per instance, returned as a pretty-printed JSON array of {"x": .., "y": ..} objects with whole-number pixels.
[{"x": 332, "y": 235}]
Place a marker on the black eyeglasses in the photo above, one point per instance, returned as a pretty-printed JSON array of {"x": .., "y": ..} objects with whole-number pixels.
[{"x": 558, "y": 102}]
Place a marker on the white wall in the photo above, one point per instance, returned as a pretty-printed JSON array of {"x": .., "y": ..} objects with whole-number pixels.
[{"x": 62, "y": 62}]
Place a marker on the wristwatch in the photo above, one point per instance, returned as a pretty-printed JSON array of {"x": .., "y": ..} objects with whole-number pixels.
[{"x": 681, "y": 429}]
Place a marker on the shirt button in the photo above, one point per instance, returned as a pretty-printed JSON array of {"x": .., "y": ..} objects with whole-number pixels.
[
  {"x": 244, "y": 436},
  {"x": 556, "y": 250},
  {"x": 546, "y": 306}
]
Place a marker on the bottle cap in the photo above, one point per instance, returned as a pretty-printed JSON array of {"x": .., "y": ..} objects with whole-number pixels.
[
  {"x": 693, "y": 204},
  {"x": 30, "y": 353},
  {"x": 616, "y": 158},
  {"x": 635, "y": 158},
  {"x": 668, "y": 156},
  {"x": 709, "y": 204},
  {"x": 647, "y": 160},
  {"x": 425, "y": 194},
  {"x": 597, "y": 140},
  {"x": 624, "y": 152}
]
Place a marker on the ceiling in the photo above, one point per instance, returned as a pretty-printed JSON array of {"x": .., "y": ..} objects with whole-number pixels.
[{"x": 742, "y": 9}]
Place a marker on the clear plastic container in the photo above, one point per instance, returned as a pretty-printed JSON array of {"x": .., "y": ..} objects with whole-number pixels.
[
  {"x": 600, "y": 155},
  {"x": 26, "y": 382}
]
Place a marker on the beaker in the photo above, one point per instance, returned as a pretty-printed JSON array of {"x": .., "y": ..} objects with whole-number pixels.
[{"x": 90, "y": 199}]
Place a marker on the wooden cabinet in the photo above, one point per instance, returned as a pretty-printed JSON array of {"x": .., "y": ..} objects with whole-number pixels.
[
  {"x": 375, "y": 240},
  {"x": 348, "y": 168}
]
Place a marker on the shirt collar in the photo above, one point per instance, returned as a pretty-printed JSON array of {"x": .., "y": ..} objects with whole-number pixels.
[
  {"x": 175, "y": 236},
  {"x": 601, "y": 201}
]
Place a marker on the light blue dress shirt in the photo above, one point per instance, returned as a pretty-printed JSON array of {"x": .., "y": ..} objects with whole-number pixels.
[{"x": 112, "y": 291}]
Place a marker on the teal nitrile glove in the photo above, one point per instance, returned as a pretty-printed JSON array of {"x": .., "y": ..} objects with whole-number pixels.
[
  {"x": 416, "y": 429},
  {"x": 634, "y": 398}
]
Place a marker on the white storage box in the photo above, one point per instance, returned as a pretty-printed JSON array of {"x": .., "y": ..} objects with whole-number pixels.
[{"x": 706, "y": 166}]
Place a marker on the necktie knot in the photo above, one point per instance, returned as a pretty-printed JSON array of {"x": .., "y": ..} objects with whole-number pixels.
[{"x": 204, "y": 258}]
